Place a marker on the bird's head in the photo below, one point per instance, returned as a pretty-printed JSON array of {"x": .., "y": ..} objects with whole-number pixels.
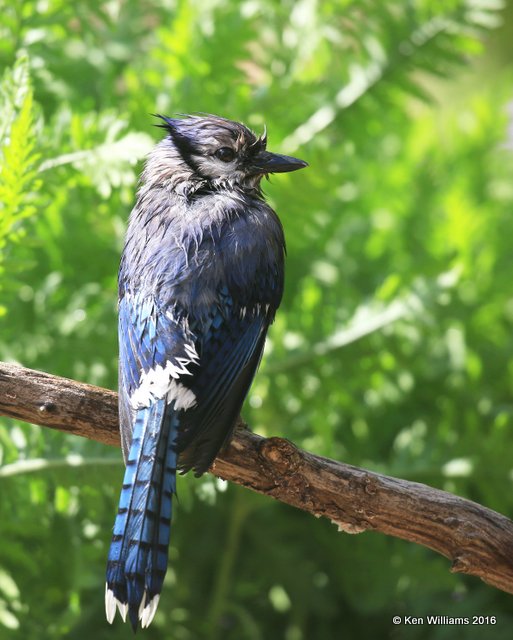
[{"x": 209, "y": 149}]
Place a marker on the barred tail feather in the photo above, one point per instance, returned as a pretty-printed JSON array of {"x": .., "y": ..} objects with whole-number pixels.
[{"x": 138, "y": 554}]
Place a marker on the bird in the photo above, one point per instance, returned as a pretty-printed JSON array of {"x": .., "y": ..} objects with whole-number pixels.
[{"x": 200, "y": 280}]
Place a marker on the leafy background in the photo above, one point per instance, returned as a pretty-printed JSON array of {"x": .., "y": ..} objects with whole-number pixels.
[{"x": 394, "y": 344}]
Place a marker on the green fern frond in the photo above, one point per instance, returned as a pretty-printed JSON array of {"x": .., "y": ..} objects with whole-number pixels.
[{"x": 18, "y": 156}]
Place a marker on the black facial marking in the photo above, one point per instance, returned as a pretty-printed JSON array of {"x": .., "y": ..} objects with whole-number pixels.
[{"x": 182, "y": 143}]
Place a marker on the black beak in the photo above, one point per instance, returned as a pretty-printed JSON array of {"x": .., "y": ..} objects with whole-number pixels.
[{"x": 267, "y": 162}]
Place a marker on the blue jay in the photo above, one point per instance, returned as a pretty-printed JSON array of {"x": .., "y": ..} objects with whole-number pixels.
[{"x": 200, "y": 280}]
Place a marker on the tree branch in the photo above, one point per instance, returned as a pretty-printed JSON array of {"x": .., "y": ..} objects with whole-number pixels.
[{"x": 477, "y": 540}]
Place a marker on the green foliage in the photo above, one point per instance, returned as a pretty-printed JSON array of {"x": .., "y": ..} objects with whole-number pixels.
[
  {"x": 18, "y": 158},
  {"x": 392, "y": 349}
]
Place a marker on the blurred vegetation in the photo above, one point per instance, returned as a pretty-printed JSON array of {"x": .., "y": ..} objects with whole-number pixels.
[{"x": 393, "y": 349}]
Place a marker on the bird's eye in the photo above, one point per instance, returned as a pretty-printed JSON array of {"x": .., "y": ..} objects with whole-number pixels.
[{"x": 225, "y": 154}]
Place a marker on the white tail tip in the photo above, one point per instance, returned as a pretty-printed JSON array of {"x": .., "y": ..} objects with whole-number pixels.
[
  {"x": 111, "y": 602},
  {"x": 148, "y": 613}
]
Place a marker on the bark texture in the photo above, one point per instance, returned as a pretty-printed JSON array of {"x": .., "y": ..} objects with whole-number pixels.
[{"x": 477, "y": 540}]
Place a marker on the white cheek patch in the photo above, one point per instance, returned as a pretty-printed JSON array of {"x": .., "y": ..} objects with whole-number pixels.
[
  {"x": 214, "y": 168},
  {"x": 162, "y": 382}
]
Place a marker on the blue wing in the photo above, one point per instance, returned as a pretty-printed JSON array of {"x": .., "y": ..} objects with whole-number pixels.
[
  {"x": 182, "y": 384},
  {"x": 230, "y": 350},
  {"x": 149, "y": 337},
  {"x": 228, "y": 341}
]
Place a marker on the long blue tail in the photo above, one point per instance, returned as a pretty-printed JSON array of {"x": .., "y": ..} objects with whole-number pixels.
[{"x": 138, "y": 553}]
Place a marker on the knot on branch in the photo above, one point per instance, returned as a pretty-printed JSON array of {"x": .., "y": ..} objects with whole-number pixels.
[
  {"x": 281, "y": 454},
  {"x": 48, "y": 407},
  {"x": 284, "y": 462}
]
